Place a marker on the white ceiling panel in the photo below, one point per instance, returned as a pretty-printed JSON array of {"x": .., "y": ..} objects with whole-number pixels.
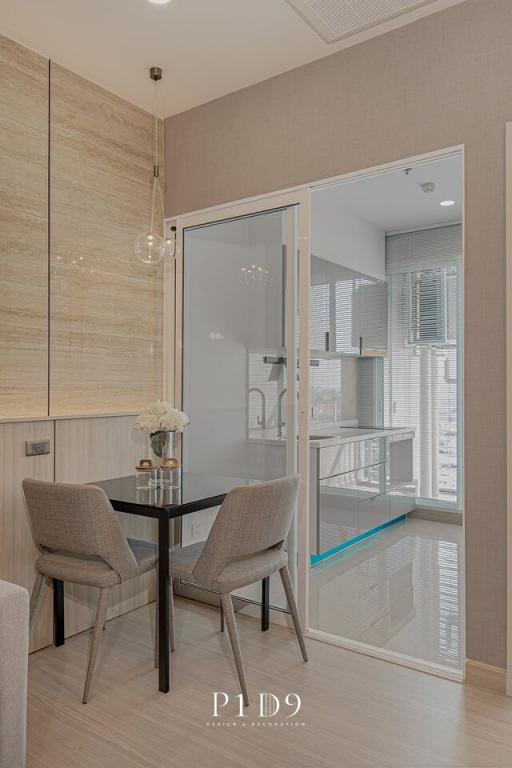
[{"x": 206, "y": 48}]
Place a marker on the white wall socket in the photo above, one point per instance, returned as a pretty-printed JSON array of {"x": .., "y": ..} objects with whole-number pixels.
[{"x": 195, "y": 531}]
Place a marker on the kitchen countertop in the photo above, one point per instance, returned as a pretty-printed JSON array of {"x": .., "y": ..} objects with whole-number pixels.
[{"x": 330, "y": 435}]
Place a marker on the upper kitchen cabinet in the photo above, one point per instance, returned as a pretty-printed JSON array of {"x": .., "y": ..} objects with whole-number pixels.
[
  {"x": 106, "y": 306},
  {"x": 349, "y": 311},
  {"x": 348, "y": 288},
  {"x": 320, "y": 303},
  {"x": 371, "y": 316},
  {"x": 24, "y": 227}
]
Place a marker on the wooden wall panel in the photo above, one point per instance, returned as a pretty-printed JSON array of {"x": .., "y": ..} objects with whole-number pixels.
[
  {"x": 24, "y": 232},
  {"x": 17, "y": 551},
  {"x": 106, "y": 307},
  {"x": 98, "y": 449}
]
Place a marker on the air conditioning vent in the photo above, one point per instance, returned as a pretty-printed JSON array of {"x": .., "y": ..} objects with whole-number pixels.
[{"x": 334, "y": 20}]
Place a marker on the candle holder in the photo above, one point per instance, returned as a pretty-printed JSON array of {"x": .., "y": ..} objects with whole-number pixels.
[
  {"x": 146, "y": 475},
  {"x": 170, "y": 473}
]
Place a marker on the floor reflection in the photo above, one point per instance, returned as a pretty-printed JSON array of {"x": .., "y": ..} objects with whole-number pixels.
[{"x": 401, "y": 591}]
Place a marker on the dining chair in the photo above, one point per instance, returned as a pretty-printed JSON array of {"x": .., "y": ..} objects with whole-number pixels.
[
  {"x": 245, "y": 545},
  {"x": 81, "y": 541}
]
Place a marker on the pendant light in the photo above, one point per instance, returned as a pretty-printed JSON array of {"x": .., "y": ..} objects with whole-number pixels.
[{"x": 152, "y": 245}]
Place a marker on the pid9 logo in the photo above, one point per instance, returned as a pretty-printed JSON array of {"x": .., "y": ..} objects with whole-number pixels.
[{"x": 269, "y": 704}]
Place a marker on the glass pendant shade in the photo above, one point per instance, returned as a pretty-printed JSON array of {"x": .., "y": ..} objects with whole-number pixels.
[
  {"x": 169, "y": 247},
  {"x": 150, "y": 248}
]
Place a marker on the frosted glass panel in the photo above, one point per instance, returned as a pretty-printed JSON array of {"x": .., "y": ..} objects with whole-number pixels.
[{"x": 234, "y": 353}]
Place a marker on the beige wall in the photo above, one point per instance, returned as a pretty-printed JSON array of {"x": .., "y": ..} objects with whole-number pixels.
[{"x": 442, "y": 81}]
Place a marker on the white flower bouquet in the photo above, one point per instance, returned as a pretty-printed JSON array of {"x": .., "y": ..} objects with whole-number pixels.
[
  {"x": 158, "y": 421},
  {"x": 161, "y": 417}
]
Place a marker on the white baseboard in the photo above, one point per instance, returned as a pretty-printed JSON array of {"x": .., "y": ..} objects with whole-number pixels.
[
  {"x": 386, "y": 655},
  {"x": 486, "y": 676},
  {"x": 437, "y": 515}
]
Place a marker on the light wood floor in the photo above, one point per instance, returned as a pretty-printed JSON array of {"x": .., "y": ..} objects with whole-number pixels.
[{"x": 357, "y": 711}]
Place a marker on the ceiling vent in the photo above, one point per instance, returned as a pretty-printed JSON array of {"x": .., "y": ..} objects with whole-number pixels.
[{"x": 335, "y": 20}]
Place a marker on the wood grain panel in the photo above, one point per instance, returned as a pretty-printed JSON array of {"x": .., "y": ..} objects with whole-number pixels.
[
  {"x": 106, "y": 307},
  {"x": 24, "y": 232},
  {"x": 17, "y": 551},
  {"x": 358, "y": 712},
  {"x": 98, "y": 449}
]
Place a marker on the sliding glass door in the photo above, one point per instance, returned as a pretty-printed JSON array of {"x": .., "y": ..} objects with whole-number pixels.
[{"x": 237, "y": 363}]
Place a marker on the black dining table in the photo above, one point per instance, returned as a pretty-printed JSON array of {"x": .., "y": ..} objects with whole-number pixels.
[{"x": 196, "y": 492}]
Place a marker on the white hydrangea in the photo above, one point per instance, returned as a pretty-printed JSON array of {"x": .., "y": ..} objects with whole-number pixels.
[{"x": 161, "y": 415}]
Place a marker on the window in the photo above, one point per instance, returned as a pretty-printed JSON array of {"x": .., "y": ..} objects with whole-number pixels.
[{"x": 421, "y": 376}]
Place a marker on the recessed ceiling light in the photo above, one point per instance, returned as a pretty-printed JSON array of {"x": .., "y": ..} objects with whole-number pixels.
[
  {"x": 159, "y": 2},
  {"x": 447, "y": 203}
]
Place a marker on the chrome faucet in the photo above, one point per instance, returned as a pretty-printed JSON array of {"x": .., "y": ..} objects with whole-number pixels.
[
  {"x": 280, "y": 422},
  {"x": 261, "y": 420}
]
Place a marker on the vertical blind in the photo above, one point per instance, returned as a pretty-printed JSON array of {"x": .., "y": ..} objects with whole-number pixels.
[{"x": 421, "y": 370}]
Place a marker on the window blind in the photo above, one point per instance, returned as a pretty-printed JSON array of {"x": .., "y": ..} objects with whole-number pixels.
[{"x": 421, "y": 371}]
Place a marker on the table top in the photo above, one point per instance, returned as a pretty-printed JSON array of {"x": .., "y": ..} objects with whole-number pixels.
[{"x": 197, "y": 491}]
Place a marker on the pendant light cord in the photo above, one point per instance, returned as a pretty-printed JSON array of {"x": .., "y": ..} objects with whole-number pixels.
[
  {"x": 155, "y": 158},
  {"x": 156, "y": 167}
]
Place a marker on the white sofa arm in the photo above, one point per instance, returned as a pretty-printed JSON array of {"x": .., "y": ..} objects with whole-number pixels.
[{"x": 14, "y": 631}]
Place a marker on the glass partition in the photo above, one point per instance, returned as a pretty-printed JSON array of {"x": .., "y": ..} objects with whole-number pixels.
[
  {"x": 385, "y": 512},
  {"x": 238, "y": 388}
]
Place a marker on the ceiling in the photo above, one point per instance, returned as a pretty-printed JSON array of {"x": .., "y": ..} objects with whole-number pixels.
[
  {"x": 393, "y": 200},
  {"x": 207, "y": 48}
]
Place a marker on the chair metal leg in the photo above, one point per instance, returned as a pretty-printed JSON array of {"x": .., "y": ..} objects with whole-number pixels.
[
  {"x": 58, "y": 613},
  {"x": 156, "y": 623},
  {"x": 101, "y": 611},
  {"x": 171, "y": 621},
  {"x": 221, "y": 617},
  {"x": 36, "y": 596},
  {"x": 290, "y": 596},
  {"x": 265, "y": 604},
  {"x": 171, "y": 617},
  {"x": 229, "y": 614}
]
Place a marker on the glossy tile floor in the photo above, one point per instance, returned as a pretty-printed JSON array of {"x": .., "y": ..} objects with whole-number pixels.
[{"x": 401, "y": 591}]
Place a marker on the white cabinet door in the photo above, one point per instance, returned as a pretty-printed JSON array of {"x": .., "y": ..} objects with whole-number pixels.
[
  {"x": 373, "y": 315},
  {"x": 337, "y": 511}
]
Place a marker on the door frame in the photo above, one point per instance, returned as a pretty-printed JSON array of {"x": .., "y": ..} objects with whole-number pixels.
[
  {"x": 297, "y": 201},
  {"x": 301, "y": 194},
  {"x": 508, "y": 321}
]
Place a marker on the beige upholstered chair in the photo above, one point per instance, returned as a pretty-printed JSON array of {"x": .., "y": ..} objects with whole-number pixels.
[
  {"x": 245, "y": 545},
  {"x": 81, "y": 541}
]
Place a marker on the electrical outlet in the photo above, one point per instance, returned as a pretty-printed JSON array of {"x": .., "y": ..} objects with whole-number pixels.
[
  {"x": 195, "y": 531},
  {"x": 37, "y": 447}
]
